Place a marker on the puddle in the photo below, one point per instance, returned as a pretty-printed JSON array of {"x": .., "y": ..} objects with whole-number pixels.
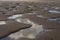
[
  {"x": 18, "y": 15},
  {"x": 15, "y": 16},
  {"x": 57, "y": 7},
  {"x": 52, "y": 19},
  {"x": 30, "y": 13},
  {"x": 54, "y": 11},
  {"x": 2, "y": 22},
  {"x": 22, "y": 20},
  {"x": 41, "y": 16},
  {"x": 45, "y": 8}
]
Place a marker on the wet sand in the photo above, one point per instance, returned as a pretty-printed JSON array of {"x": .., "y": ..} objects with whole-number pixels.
[{"x": 37, "y": 14}]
